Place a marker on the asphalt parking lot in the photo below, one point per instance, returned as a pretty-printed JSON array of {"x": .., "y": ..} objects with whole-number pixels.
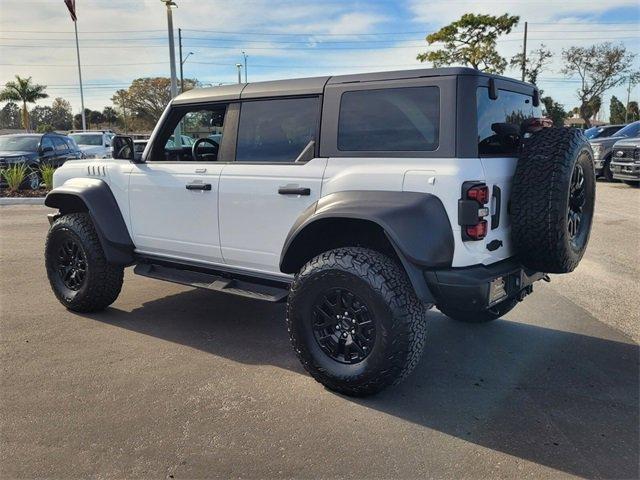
[{"x": 177, "y": 383}]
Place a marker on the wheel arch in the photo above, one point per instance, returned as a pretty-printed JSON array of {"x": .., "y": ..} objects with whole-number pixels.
[
  {"x": 411, "y": 227},
  {"x": 95, "y": 197}
]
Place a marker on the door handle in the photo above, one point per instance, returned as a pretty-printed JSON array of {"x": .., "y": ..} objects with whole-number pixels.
[
  {"x": 495, "y": 218},
  {"x": 294, "y": 191},
  {"x": 199, "y": 186}
]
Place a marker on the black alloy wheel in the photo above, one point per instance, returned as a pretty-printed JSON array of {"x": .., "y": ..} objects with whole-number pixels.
[
  {"x": 576, "y": 203},
  {"x": 71, "y": 264},
  {"x": 343, "y": 326}
]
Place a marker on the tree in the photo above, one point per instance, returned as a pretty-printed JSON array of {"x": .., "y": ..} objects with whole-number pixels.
[
  {"x": 535, "y": 62},
  {"x": 471, "y": 41},
  {"x": 616, "y": 111},
  {"x": 39, "y": 116},
  {"x": 146, "y": 99},
  {"x": 599, "y": 67},
  {"x": 45, "y": 128},
  {"x": 22, "y": 90},
  {"x": 61, "y": 115},
  {"x": 77, "y": 119},
  {"x": 96, "y": 118},
  {"x": 110, "y": 115},
  {"x": 634, "y": 114},
  {"x": 10, "y": 116},
  {"x": 554, "y": 111}
]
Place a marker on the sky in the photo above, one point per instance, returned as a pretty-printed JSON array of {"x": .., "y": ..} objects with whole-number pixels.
[{"x": 121, "y": 40}]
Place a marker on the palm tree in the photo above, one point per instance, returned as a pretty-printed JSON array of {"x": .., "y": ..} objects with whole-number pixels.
[{"x": 22, "y": 90}]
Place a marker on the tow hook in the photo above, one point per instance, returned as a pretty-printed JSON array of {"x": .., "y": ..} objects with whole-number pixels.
[{"x": 546, "y": 278}]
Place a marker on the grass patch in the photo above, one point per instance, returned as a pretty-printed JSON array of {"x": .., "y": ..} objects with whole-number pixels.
[
  {"x": 47, "y": 175},
  {"x": 14, "y": 176}
]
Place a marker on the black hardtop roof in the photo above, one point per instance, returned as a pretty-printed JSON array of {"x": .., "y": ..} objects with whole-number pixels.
[{"x": 315, "y": 85}]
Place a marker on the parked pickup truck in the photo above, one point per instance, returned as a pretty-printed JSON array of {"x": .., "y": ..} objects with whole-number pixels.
[
  {"x": 603, "y": 148},
  {"x": 625, "y": 163}
]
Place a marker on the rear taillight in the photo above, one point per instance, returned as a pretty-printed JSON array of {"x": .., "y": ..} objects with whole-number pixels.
[
  {"x": 479, "y": 193},
  {"x": 472, "y": 210},
  {"x": 477, "y": 231}
]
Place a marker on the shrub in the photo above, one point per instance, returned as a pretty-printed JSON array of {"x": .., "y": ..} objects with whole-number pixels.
[
  {"x": 47, "y": 175},
  {"x": 15, "y": 175}
]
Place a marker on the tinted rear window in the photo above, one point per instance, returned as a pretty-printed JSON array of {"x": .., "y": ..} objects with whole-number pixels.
[
  {"x": 392, "y": 119},
  {"x": 499, "y": 121}
]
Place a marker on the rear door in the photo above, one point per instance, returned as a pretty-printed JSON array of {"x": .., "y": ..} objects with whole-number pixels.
[
  {"x": 499, "y": 121},
  {"x": 264, "y": 191},
  {"x": 62, "y": 152}
]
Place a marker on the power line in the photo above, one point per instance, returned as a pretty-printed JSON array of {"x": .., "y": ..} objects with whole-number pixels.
[{"x": 317, "y": 46}]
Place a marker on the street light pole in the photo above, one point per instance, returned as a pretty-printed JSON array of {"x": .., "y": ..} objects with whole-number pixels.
[
  {"x": 172, "y": 50},
  {"x": 172, "y": 63},
  {"x": 239, "y": 66},
  {"x": 181, "y": 61},
  {"x": 524, "y": 52},
  {"x": 84, "y": 120},
  {"x": 245, "y": 66}
]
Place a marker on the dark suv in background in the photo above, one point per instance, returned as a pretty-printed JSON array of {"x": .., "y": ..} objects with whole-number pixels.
[
  {"x": 35, "y": 150},
  {"x": 603, "y": 148}
]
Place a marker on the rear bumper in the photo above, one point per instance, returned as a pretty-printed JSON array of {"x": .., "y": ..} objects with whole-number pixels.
[
  {"x": 625, "y": 171},
  {"x": 470, "y": 288}
]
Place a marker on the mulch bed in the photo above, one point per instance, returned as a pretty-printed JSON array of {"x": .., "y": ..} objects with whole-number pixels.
[{"x": 41, "y": 192}]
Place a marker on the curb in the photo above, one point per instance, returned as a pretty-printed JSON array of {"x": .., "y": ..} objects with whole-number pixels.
[{"x": 22, "y": 200}]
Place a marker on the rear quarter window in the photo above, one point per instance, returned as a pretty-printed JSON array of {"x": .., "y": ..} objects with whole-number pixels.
[
  {"x": 391, "y": 119},
  {"x": 499, "y": 121}
]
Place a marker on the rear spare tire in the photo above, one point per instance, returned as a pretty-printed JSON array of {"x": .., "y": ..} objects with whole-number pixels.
[{"x": 552, "y": 200}]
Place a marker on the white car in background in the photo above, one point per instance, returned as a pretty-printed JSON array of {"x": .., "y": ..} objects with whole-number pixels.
[{"x": 94, "y": 144}]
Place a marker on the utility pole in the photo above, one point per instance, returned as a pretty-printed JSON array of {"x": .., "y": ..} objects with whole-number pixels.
[
  {"x": 245, "y": 66},
  {"x": 239, "y": 67},
  {"x": 181, "y": 62},
  {"x": 626, "y": 111},
  {"x": 524, "y": 52}
]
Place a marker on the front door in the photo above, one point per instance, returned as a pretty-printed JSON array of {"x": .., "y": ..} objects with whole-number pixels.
[
  {"x": 264, "y": 191},
  {"x": 173, "y": 195}
]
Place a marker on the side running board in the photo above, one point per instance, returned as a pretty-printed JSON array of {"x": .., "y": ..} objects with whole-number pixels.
[{"x": 211, "y": 281}]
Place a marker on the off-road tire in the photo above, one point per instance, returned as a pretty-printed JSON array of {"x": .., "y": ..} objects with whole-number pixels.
[
  {"x": 540, "y": 200},
  {"x": 103, "y": 280},
  {"x": 489, "y": 315},
  {"x": 399, "y": 316}
]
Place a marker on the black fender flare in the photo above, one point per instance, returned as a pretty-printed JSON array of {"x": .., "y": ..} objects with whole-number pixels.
[
  {"x": 416, "y": 224},
  {"x": 95, "y": 197}
]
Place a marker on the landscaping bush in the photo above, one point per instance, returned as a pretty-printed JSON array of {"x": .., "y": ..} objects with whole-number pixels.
[
  {"x": 15, "y": 175},
  {"x": 46, "y": 171}
]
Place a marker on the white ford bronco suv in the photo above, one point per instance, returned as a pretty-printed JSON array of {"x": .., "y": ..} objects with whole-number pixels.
[{"x": 360, "y": 200}]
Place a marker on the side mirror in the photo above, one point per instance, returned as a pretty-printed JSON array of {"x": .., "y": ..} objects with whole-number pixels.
[
  {"x": 122, "y": 148},
  {"x": 46, "y": 150},
  {"x": 107, "y": 144}
]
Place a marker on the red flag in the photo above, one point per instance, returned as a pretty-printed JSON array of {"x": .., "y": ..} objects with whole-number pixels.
[{"x": 71, "y": 5}]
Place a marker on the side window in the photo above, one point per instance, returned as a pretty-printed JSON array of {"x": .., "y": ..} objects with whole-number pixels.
[
  {"x": 70, "y": 143},
  {"x": 499, "y": 120},
  {"x": 46, "y": 143},
  {"x": 390, "y": 119},
  {"x": 276, "y": 130},
  {"x": 203, "y": 123},
  {"x": 59, "y": 144}
]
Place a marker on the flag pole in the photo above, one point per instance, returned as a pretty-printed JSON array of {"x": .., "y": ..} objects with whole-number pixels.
[{"x": 84, "y": 120}]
